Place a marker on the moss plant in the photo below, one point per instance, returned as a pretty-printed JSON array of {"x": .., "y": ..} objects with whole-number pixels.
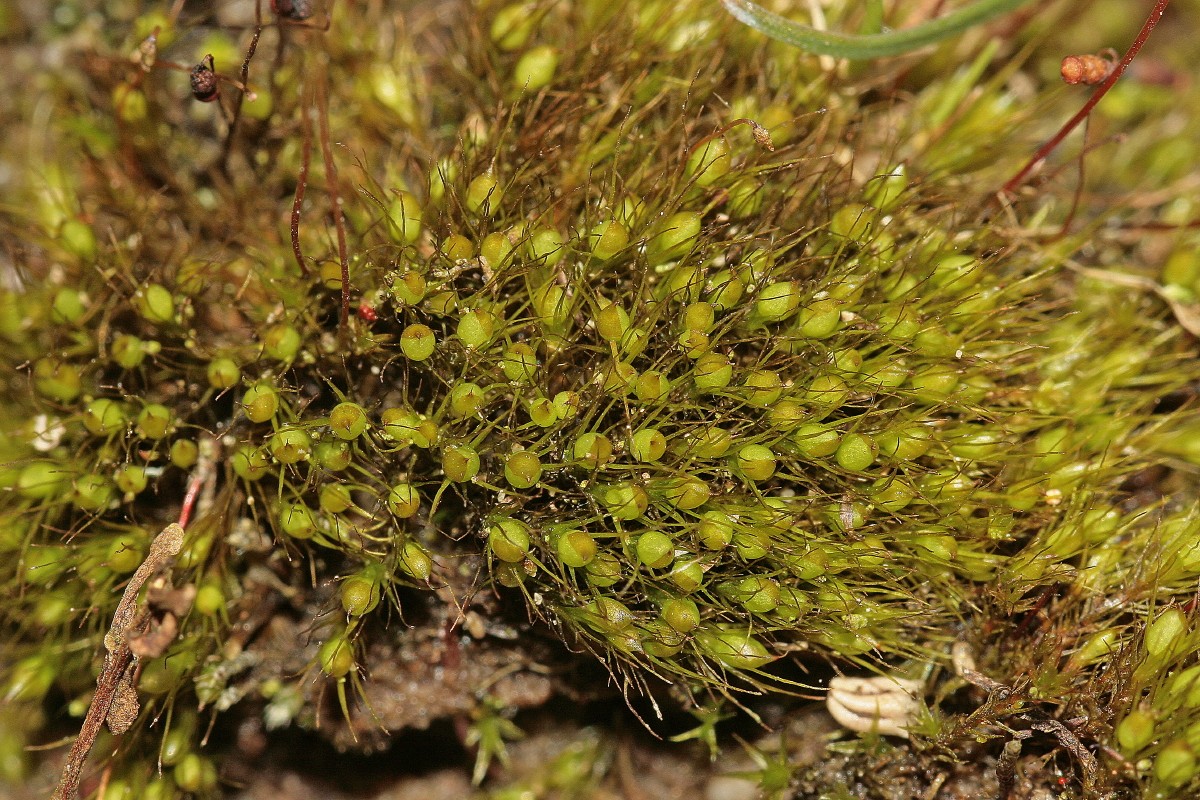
[{"x": 621, "y": 378}]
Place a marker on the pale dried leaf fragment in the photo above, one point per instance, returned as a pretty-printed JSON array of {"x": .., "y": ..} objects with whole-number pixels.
[{"x": 882, "y": 704}]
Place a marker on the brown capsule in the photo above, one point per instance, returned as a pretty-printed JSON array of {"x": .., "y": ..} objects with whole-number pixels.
[
  {"x": 205, "y": 85},
  {"x": 1088, "y": 69},
  {"x": 293, "y": 9}
]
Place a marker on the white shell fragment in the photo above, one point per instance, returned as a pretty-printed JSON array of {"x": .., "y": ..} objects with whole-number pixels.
[{"x": 882, "y": 704}]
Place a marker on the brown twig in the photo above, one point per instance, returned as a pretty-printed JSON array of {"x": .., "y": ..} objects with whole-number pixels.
[
  {"x": 1156, "y": 13},
  {"x": 114, "y": 685}
]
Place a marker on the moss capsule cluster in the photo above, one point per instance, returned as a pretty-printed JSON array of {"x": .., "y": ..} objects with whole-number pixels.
[{"x": 698, "y": 404}]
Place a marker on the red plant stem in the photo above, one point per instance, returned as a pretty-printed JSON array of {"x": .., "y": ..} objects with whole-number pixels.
[{"x": 1155, "y": 15}]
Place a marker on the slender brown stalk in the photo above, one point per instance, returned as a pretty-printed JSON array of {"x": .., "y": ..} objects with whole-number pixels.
[
  {"x": 1016, "y": 180},
  {"x": 301, "y": 185},
  {"x": 109, "y": 690},
  {"x": 331, "y": 176}
]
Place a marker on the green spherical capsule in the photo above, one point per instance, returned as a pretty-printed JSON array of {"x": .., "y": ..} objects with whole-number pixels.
[
  {"x": 655, "y": 549},
  {"x": 624, "y": 501},
  {"x": 129, "y": 352},
  {"x": 712, "y": 442},
  {"x": 334, "y": 498},
  {"x": 652, "y": 387},
  {"x": 617, "y": 378},
  {"x": 484, "y": 195},
  {"x": 76, "y": 236},
  {"x": 519, "y": 363},
  {"x": 210, "y": 600},
  {"x": 53, "y": 608},
  {"x": 92, "y": 492},
  {"x": 249, "y": 462},
  {"x": 733, "y": 647},
  {"x": 297, "y": 520},
  {"x": 403, "y": 500},
  {"x": 607, "y": 239},
  {"x": 752, "y": 543},
  {"x": 30, "y": 679},
  {"x": 348, "y": 421},
  {"x": 281, "y": 343},
  {"x": 131, "y": 478},
  {"x": 609, "y": 614},
  {"x": 936, "y": 383},
  {"x": 542, "y": 412},
  {"x": 406, "y": 427},
  {"x": 261, "y": 402},
  {"x": 508, "y": 539},
  {"x": 466, "y": 399},
  {"x": 891, "y": 493},
  {"x": 404, "y": 218},
  {"x": 290, "y": 446},
  {"x": 196, "y": 774},
  {"x": 415, "y": 562},
  {"x": 105, "y": 417},
  {"x": 755, "y": 593},
  {"x": 361, "y": 593},
  {"x": 1175, "y": 764},
  {"x": 177, "y": 741},
  {"x": 712, "y": 373},
  {"x": 575, "y": 548},
  {"x": 660, "y": 640},
  {"x": 567, "y": 404},
  {"x": 41, "y": 480},
  {"x": 725, "y": 290},
  {"x": 522, "y": 469},
  {"x": 418, "y": 342},
  {"x": 762, "y": 387},
  {"x": 776, "y": 302},
  {"x": 825, "y": 394},
  {"x": 155, "y": 303},
  {"x": 687, "y": 574},
  {"x": 545, "y": 247},
  {"x": 710, "y": 162},
  {"x": 68, "y": 306},
  {"x": 856, "y": 452},
  {"x": 335, "y": 657},
  {"x": 681, "y": 613},
  {"x": 852, "y": 222},
  {"x": 460, "y": 463},
  {"x": 592, "y": 450},
  {"x": 56, "y": 380},
  {"x": 647, "y": 445},
  {"x": 715, "y": 530},
  {"x": 409, "y": 288},
  {"x": 820, "y": 319},
  {"x": 673, "y": 237},
  {"x": 698, "y": 317},
  {"x": 223, "y": 373},
  {"x": 333, "y": 455},
  {"x": 756, "y": 462},
  {"x": 184, "y": 453},
  {"x": 612, "y": 322},
  {"x": 476, "y": 328},
  {"x": 513, "y": 25},
  {"x": 686, "y": 493},
  {"x": 535, "y": 69},
  {"x": 154, "y": 421},
  {"x": 604, "y": 570},
  {"x": 1165, "y": 634}
]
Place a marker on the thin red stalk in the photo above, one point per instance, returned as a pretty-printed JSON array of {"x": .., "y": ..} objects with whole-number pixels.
[{"x": 1155, "y": 15}]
